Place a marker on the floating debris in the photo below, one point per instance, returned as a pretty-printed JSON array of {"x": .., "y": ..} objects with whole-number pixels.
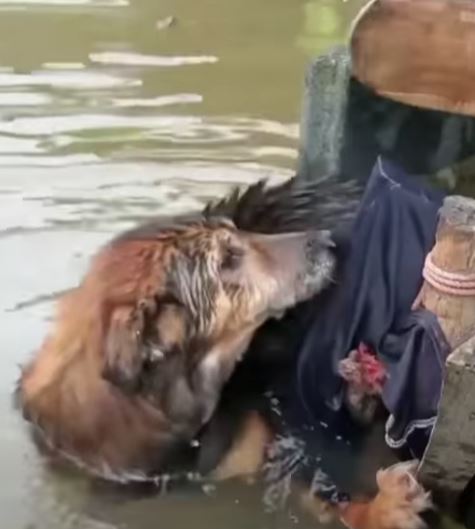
[
  {"x": 165, "y": 23},
  {"x": 293, "y": 518},
  {"x": 209, "y": 489}
]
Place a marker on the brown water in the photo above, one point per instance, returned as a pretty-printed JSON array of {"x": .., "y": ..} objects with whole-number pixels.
[{"x": 105, "y": 118}]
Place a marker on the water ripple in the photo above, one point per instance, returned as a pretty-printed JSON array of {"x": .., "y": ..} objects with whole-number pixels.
[
  {"x": 137, "y": 59},
  {"x": 91, "y": 137},
  {"x": 59, "y": 3},
  {"x": 159, "y": 101},
  {"x": 75, "y": 80}
]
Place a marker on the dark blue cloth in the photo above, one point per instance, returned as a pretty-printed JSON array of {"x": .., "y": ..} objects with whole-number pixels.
[{"x": 381, "y": 275}]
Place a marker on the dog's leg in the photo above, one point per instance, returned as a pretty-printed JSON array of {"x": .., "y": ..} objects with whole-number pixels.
[{"x": 247, "y": 453}]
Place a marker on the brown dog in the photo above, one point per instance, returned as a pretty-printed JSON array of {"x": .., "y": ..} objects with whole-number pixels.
[{"x": 139, "y": 352}]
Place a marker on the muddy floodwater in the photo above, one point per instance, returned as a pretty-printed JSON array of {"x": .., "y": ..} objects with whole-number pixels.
[{"x": 112, "y": 111}]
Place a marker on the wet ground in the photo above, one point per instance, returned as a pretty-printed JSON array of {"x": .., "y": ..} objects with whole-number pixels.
[{"x": 111, "y": 111}]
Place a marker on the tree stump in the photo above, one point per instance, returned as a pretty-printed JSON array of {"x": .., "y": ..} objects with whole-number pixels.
[{"x": 449, "y": 462}]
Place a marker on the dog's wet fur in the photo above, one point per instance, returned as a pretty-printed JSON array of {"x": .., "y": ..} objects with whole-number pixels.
[{"x": 141, "y": 375}]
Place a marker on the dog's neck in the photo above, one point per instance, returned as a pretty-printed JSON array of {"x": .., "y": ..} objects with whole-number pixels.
[{"x": 216, "y": 368}]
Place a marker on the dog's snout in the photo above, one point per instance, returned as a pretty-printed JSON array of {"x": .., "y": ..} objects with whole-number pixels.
[{"x": 302, "y": 262}]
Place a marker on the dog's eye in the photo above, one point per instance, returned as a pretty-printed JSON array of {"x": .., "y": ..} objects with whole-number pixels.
[{"x": 232, "y": 258}]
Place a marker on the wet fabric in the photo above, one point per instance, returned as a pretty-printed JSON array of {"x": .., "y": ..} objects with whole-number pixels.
[{"x": 371, "y": 303}]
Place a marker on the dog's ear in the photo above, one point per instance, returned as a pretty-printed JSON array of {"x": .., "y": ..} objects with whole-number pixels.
[
  {"x": 123, "y": 348},
  {"x": 138, "y": 336},
  {"x": 171, "y": 329}
]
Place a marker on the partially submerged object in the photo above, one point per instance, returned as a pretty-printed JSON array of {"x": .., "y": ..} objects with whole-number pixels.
[
  {"x": 405, "y": 89},
  {"x": 165, "y": 23}
]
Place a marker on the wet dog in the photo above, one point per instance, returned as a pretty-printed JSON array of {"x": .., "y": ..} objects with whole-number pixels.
[
  {"x": 129, "y": 382},
  {"x": 135, "y": 362}
]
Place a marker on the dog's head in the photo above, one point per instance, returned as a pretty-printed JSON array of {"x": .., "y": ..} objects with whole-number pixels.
[{"x": 186, "y": 299}]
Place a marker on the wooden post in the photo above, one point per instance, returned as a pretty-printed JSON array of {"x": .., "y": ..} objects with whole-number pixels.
[
  {"x": 454, "y": 252},
  {"x": 449, "y": 462},
  {"x": 323, "y": 115}
]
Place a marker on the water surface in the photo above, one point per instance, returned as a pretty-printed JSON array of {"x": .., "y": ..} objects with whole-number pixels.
[{"x": 108, "y": 116}]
